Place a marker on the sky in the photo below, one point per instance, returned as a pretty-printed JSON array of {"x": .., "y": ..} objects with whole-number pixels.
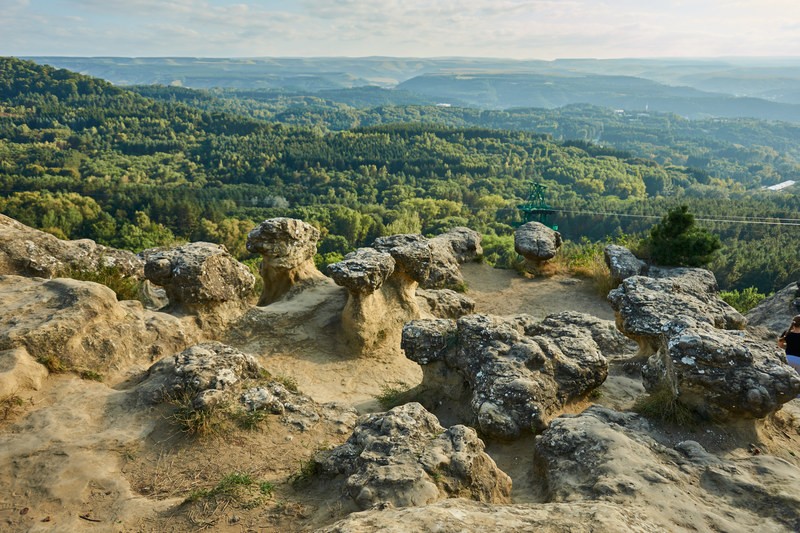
[{"x": 519, "y": 29}]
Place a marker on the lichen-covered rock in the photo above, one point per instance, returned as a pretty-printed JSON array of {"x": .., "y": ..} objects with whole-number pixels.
[
  {"x": 199, "y": 276},
  {"x": 404, "y": 457},
  {"x": 464, "y": 243},
  {"x": 446, "y": 303},
  {"x": 605, "y": 334},
  {"x": 214, "y": 375},
  {"x": 208, "y": 372},
  {"x": 516, "y": 380},
  {"x": 776, "y": 312},
  {"x": 622, "y": 263},
  {"x": 644, "y": 305},
  {"x": 536, "y": 242},
  {"x": 412, "y": 254},
  {"x": 26, "y": 251},
  {"x": 79, "y": 324},
  {"x": 362, "y": 272},
  {"x": 287, "y": 247},
  {"x": 604, "y": 455},
  {"x": 724, "y": 375}
]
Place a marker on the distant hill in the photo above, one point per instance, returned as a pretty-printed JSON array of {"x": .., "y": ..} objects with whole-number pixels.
[{"x": 764, "y": 88}]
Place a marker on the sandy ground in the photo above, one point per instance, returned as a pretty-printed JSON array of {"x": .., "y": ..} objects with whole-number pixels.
[{"x": 85, "y": 456}]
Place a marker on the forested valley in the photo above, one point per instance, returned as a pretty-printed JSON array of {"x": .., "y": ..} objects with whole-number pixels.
[{"x": 143, "y": 167}]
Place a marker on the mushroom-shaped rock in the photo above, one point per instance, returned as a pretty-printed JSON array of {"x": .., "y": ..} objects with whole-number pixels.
[
  {"x": 622, "y": 263},
  {"x": 644, "y": 305},
  {"x": 516, "y": 380},
  {"x": 26, "y": 251},
  {"x": 724, "y": 375},
  {"x": 404, "y": 457},
  {"x": 536, "y": 242},
  {"x": 287, "y": 247},
  {"x": 604, "y": 455},
  {"x": 411, "y": 252},
  {"x": 199, "y": 276},
  {"x": 366, "y": 318}
]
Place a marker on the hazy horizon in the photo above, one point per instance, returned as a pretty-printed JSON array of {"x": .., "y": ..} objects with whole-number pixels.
[{"x": 505, "y": 29}]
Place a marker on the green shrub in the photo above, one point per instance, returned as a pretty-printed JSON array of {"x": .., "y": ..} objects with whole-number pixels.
[
  {"x": 743, "y": 300},
  {"x": 125, "y": 287}
]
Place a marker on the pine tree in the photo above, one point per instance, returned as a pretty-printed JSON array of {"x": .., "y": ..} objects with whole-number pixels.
[{"x": 677, "y": 241}]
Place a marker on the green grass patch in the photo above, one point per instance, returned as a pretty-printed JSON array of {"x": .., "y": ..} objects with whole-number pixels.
[
  {"x": 125, "y": 287},
  {"x": 237, "y": 489},
  {"x": 662, "y": 404}
]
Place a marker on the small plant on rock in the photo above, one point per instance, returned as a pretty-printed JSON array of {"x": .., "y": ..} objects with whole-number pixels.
[
  {"x": 193, "y": 421},
  {"x": 393, "y": 393},
  {"x": 9, "y": 406},
  {"x": 661, "y": 404}
]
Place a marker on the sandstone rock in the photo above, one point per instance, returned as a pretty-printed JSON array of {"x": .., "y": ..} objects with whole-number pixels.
[
  {"x": 287, "y": 247},
  {"x": 412, "y": 254},
  {"x": 644, "y": 305},
  {"x": 724, "y": 375},
  {"x": 465, "y": 516},
  {"x": 536, "y": 242},
  {"x": 19, "y": 372},
  {"x": 516, "y": 380},
  {"x": 79, "y": 324},
  {"x": 26, "y": 251},
  {"x": 622, "y": 263},
  {"x": 604, "y": 455},
  {"x": 199, "y": 276},
  {"x": 404, "y": 457},
  {"x": 446, "y": 303}
]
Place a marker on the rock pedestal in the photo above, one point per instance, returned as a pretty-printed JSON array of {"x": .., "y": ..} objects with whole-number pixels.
[{"x": 287, "y": 247}]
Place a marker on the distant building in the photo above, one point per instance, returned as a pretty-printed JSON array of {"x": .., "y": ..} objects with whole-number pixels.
[{"x": 780, "y": 186}]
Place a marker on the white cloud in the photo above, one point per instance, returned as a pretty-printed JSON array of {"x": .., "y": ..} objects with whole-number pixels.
[{"x": 505, "y": 28}]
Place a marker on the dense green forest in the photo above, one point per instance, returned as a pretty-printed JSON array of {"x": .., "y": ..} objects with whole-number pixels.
[{"x": 83, "y": 158}]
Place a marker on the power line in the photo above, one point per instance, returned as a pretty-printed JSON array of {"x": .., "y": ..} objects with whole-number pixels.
[{"x": 765, "y": 221}]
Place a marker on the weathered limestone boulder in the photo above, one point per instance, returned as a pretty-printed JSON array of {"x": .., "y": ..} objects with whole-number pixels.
[
  {"x": 536, "y": 242},
  {"x": 776, "y": 312},
  {"x": 200, "y": 277},
  {"x": 216, "y": 376},
  {"x": 404, "y": 457},
  {"x": 518, "y": 372},
  {"x": 66, "y": 324},
  {"x": 366, "y": 320},
  {"x": 26, "y": 251},
  {"x": 207, "y": 372},
  {"x": 608, "y": 456},
  {"x": 445, "y": 303},
  {"x": 287, "y": 247},
  {"x": 724, "y": 375},
  {"x": 644, "y": 305},
  {"x": 622, "y": 263},
  {"x": 464, "y": 243}
]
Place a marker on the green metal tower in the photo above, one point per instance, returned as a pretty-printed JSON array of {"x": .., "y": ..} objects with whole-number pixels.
[{"x": 536, "y": 208}]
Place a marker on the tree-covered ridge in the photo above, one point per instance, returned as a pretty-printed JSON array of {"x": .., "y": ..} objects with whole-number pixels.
[{"x": 132, "y": 171}]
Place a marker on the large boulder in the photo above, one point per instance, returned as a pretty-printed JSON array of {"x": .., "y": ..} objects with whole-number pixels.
[
  {"x": 536, "y": 242},
  {"x": 518, "y": 372},
  {"x": 776, "y": 312},
  {"x": 26, "y": 251},
  {"x": 69, "y": 324},
  {"x": 724, "y": 375},
  {"x": 404, "y": 457},
  {"x": 449, "y": 250},
  {"x": 200, "y": 277},
  {"x": 644, "y": 305},
  {"x": 608, "y": 456},
  {"x": 215, "y": 377},
  {"x": 445, "y": 303},
  {"x": 622, "y": 263},
  {"x": 287, "y": 247}
]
